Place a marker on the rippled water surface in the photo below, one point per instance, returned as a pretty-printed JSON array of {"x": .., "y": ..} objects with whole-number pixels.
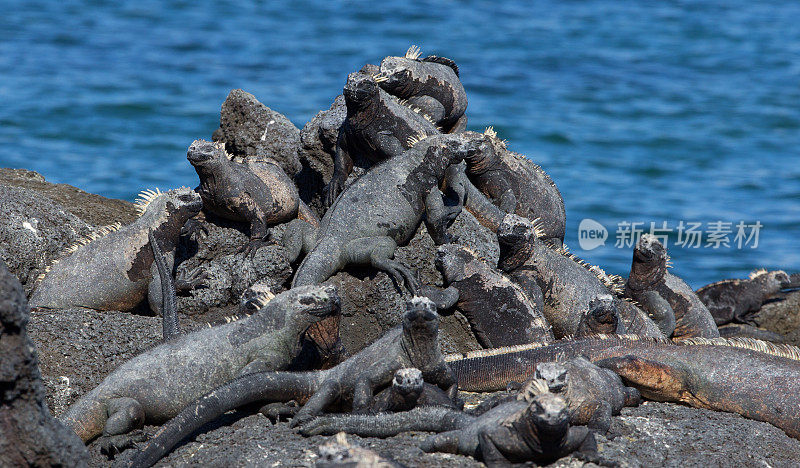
[{"x": 641, "y": 111}]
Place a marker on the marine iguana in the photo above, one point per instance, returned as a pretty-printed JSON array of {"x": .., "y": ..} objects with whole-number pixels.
[
  {"x": 738, "y": 375},
  {"x": 498, "y": 311},
  {"x": 593, "y": 394},
  {"x": 567, "y": 283},
  {"x": 532, "y": 427},
  {"x": 735, "y": 300},
  {"x": 602, "y": 318},
  {"x": 430, "y": 84},
  {"x": 112, "y": 270},
  {"x": 254, "y": 191},
  {"x": 376, "y": 127},
  {"x": 651, "y": 284},
  {"x": 155, "y": 385},
  {"x": 500, "y": 181},
  {"x": 412, "y": 344},
  {"x": 384, "y": 208}
]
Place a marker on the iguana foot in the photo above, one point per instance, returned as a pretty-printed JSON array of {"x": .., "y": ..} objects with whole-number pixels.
[
  {"x": 112, "y": 445},
  {"x": 332, "y": 191},
  {"x": 276, "y": 412},
  {"x": 250, "y": 249},
  {"x": 321, "y": 425},
  {"x": 188, "y": 280},
  {"x": 194, "y": 229}
]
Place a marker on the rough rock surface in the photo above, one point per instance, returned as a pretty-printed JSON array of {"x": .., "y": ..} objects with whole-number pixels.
[
  {"x": 782, "y": 316},
  {"x": 229, "y": 271},
  {"x": 29, "y": 435},
  {"x": 249, "y": 128},
  {"x": 34, "y": 230},
  {"x": 93, "y": 209}
]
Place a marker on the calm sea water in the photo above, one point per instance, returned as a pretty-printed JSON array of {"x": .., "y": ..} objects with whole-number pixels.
[{"x": 641, "y": 111}]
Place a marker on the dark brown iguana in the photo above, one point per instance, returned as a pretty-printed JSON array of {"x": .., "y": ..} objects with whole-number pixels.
[
  {"x": 377, "y": 127},
  {"x": 430, "y": 84},
  {"x": 738, "y": 375},
  {"x": 651, "y": 285},
  {"x": 497, "y": 181},
  {"x": 567, "y": 283},
  {"x": 499, "y": 312},
  {"x": 112, "y": 270},
  {"x": 532, "y": 427},
  {"x": 254, "y": 191},
  {"x": 155, "y": 385},
  {"x": 351, "y": 383},
  {"x": 735, "y": 300}
]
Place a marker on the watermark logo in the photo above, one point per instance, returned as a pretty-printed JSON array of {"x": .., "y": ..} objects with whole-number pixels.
[
  {"x": 686, "y": 234},
  {"x": 591, "y": 234}
]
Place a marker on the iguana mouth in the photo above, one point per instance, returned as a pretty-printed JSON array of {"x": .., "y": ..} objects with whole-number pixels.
[{"x": 327, "y": 303}]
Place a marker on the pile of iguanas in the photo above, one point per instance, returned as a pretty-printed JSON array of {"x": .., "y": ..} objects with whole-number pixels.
[{"x": 571, "y": 343}]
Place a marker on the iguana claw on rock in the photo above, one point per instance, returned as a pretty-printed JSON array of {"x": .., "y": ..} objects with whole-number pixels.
[
  {"x": 351, "y": 383},
  {"x": 113, "y": 271},
  {"x": 155, "y": 385}
]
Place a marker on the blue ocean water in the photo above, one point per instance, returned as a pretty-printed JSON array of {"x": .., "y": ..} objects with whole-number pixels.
[{"x": 641, "y": 111}]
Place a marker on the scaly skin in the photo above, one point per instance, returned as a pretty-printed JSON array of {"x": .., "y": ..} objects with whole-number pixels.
[
  {"x": 535, "y": 428},
  {"x": 718, "y": 374},
  {"x": 499, "y": 181},
  {"x": 567, "y": 285},
  {"x": 376, "y": 127},
  {"x": 353, "y": 382},
  {"x": 650, "y": 283},
  {"x": 431, "y": 84},
  {"x": 339, "y": 453},
  {"x": 155, "y": 385},
  {"x": 498, "y": 311},
  {"x": 114, "y": 272},
  {"x": 736, "y": 300},
  {"x": 254, "y": 191}
]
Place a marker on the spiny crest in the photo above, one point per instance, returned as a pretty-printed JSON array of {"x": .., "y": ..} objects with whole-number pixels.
[
  {"x": 774, "y": 349},
  {"x": 413, "y": 52},
  {"x": 414, "y": 139},
  {"x": 613, "y": 282},
  {"x": 532, "y": 389},
  {"x": 758, "y": 272},
  {"x": 379, "y": 77},
  {"x": 77, "y": 244},
  {"x": 490, "y": 132},
  {"x": 145, "y": 198},
  {"x": 538, "y": 229},
  {"x": 226, "y": 319}
]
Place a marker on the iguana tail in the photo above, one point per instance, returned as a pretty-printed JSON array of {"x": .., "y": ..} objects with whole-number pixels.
[
  {"x": 320, "y": 264},
  {"x": 87, "y": 417},
  {"x": 264, "y": 386},
  {"x": 424, "y": 418},
  {"x": 484, "y": 210}
]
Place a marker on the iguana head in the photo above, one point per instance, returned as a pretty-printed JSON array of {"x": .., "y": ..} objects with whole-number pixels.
[
  {"x": 451, "y": 260},
  {"x": 306, "y": 305},
  {"x": 395, "y": 72},
  {"x": 602, "y": 316},
  {"x": 420, "y": 318},
  {"x": 546, "y": 417},
  {"x": 772, "y": 281},
  {"x": 517, "y": 237},
  {"x": 201, "y": 152},
  {"x": 483, "y": 157},
  {"x": 649, "y": 262},
  {"x": 408, "y": 380},
  {"x": 554, "y": 373},
  {"x": 466, "y": 146},
  {"x": 360, "y": 88}
]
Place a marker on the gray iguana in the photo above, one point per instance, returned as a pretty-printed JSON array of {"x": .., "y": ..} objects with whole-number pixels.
[
  {"x": 736, "y": 300},
  {"x": 352, "y": 383},
  {"x": 155, "y": 385},
  {"x": 112, "y": 270},
  {"x": 567, "y": 283},
  {"x": 660, "y": 292},
  {"x": 430, "y": 84},
  {"x": 256, "y": 191}
]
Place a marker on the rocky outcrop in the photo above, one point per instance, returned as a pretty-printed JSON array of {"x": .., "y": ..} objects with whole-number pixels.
[
  {"x": 249, "y": 128},
  {"x": 29, "y": 435},
  {"x": 782, "y": 316}
]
